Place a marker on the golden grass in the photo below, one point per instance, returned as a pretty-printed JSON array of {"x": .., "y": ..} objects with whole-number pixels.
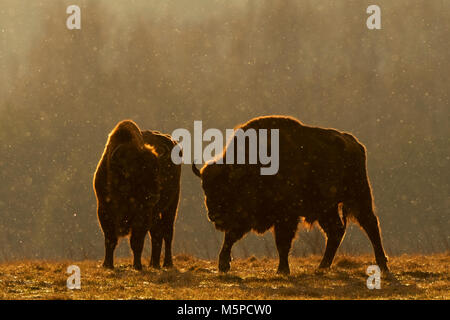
[{"x": 413, "y": 277}]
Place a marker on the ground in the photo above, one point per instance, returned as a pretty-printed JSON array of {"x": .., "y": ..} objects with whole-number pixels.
[{"x": 412, "y": 277}]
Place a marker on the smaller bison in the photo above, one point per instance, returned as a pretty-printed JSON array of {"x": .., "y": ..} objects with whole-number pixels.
[
  {"x": 137, "y": 188},
  {"x": 322, "y": 177}
]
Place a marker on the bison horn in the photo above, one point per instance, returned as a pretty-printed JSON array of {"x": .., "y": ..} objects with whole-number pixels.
[
  {"x": 165, "y": 151},
  {"x": 115, "y": 150},
  {"x": 196, "y": 171}
]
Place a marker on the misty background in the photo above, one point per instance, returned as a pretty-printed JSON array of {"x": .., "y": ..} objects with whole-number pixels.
[{"x": 166, "y": 64}]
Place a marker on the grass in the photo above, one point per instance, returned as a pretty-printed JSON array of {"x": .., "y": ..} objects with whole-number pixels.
[{"x": 413, "y": 277}]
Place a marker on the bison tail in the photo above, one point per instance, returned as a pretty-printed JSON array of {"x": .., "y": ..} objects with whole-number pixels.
[{"x": 196, "y": 171}]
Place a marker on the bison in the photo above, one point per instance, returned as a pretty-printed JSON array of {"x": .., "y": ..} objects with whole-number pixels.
[
  {"x": 137, "y": 188},
  {"x": 322, "y": 177}
]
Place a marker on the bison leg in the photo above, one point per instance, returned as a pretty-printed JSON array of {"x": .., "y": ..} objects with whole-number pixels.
[
  {"x": 137, "y": 244},
  {"x": 284, "y": 233},
  {"x": 168, "y": 263},
  {"x": 369, "y": 223},
  {"x": 157, "y": 238},
  {"x": 335, "y": 230},
  {"x": 225, "y": 253},
  {"x": 168, "y": 220},
  {"x": 111, "y": 238},
  {"x": 110, "y": 244}
]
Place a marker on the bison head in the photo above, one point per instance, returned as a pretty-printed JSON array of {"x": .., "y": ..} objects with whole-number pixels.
[{"x": 221, "y": 185}]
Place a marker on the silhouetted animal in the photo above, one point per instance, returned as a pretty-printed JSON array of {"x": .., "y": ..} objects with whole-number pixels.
[
  {"x": 167, "y": 205},
  {"x": 322, "y": 177},
  {"x": 137, "y": 191}
]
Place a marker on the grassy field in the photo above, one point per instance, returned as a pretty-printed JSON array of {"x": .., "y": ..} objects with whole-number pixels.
[{"x": 413, "y": 277}]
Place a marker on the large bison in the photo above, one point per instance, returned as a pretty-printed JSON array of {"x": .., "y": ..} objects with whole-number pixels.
[
  {"x": 322, "y": 177},
  {"x": 137, "y": 188}
]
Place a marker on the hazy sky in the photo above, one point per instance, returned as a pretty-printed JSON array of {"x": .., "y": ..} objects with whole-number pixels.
[{"x": 21, "y": 21}]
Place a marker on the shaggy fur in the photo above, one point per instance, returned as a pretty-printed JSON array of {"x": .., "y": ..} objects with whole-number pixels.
[
  {"x": 137, "y": 191},
  {"x": 321, "y": 170}
]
